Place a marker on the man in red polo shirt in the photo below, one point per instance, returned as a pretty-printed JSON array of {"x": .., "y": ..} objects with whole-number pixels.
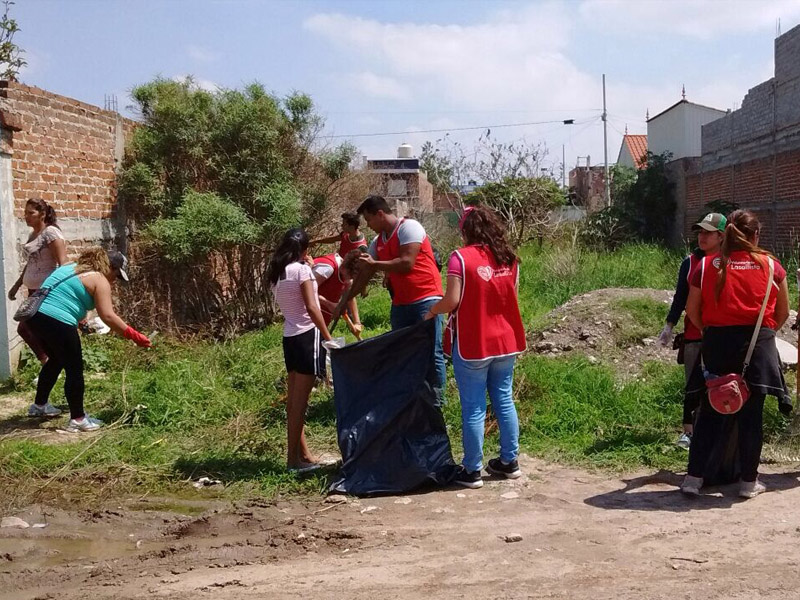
[{"x": 403, "y": 251}]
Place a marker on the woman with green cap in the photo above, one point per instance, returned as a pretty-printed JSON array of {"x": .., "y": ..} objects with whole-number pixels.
[{"x": 710, "y": 231}]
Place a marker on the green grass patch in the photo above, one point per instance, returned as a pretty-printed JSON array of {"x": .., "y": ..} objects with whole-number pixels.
[
  {"x": 185, "y": 410},
  {"x": 637, "y": 318},
  {"x": 551, "y": 275}
]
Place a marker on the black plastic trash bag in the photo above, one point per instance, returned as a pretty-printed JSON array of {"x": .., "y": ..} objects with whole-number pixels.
[{"x": 391, "y": 434}]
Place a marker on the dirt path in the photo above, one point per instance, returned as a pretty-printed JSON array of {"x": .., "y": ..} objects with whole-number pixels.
[{"x": 583, "y": 535}]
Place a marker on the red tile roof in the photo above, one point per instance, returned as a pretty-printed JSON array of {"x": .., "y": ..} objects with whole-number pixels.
[{"x": 637, "y": 146}]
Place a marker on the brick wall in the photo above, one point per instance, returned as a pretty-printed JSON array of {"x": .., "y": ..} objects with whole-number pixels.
[
  {"x": 751, "y": 156},
  {"x": 65, "y": 152},
  {"x": 768, "y": 186}
]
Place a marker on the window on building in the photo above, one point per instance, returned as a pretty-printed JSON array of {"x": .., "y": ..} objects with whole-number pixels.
[{"x": 397, "y": 187}]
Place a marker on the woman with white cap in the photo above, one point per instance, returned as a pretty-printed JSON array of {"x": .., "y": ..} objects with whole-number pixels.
[{"x": 75, "y": 289}]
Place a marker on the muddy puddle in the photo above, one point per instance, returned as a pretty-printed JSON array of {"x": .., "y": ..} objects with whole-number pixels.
[
  {"x": 135, "y": 528},
  {"x": 41, "y": 551}
]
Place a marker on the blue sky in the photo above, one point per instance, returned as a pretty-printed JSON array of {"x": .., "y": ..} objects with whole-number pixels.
[{"x": 408, "y": 65}]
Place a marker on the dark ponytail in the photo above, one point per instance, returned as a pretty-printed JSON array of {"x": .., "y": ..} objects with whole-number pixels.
[
  {"x": 291, "y": 248},
  {"x": 48, "y": 212}
]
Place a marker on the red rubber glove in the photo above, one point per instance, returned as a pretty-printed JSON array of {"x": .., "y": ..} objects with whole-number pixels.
[{"x": 137, "y": 338}]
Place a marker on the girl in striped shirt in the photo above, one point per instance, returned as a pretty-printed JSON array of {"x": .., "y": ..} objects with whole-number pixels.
[{"x": 295, "y": 290}]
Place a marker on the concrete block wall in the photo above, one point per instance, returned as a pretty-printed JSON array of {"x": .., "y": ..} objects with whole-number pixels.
[
  {"x": 787, "y": 52},
  {"x": 752, "y": 155}
]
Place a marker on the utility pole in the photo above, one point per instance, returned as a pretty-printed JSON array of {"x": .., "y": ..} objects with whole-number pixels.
[
  {"x": 605, "y": 145},
  {"x": 563, "y": 167}
]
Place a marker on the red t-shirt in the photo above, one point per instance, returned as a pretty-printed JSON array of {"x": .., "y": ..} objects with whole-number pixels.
[
  {"x": 741, "y": 297},
  {"x": 346, "y": 245}
]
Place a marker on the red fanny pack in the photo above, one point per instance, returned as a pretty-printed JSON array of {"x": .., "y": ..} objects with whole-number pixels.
[{"x": 728, "y": 393}]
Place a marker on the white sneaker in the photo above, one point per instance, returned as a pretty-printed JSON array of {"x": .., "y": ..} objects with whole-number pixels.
[
  {"x": 47, "y": 410},
  {"x": 85, "y": 424},
  {"x": 751, "y": 489},
  {"x": 684, "y": 441},
  {"x": 691, "y": 485}
]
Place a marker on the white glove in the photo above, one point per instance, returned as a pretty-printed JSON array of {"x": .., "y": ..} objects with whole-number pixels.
[
  {"x": 665, "y": 337},
  {"x": 334, "y": 344}
]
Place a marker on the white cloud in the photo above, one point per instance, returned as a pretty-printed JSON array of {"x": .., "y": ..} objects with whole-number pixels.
[
  {"x": 703, "y": 19},
  {"x": 199, "y": 83},
  {"x": 378, "y": 86},
  {"x": 201, "y": 54},
  {"x": 520, "y": 60},
  {"x": 489, "y": 65}
]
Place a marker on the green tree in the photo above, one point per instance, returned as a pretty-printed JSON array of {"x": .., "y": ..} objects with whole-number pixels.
[
  {"x": 622, "y": 181},
  {"x": 438, "y": 168},
  {"x": 524, "y": 203},
  {"x": 647, "y": 206},
  {"x": 11, "y": 60},
  {"x": 210, "y": 180},
  {"x": 247, "y": 148}
]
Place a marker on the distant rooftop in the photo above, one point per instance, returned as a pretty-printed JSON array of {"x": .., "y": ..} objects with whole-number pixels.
[
  {"x": 637, "y": 146},
  {"x": 685, "y": 101}
]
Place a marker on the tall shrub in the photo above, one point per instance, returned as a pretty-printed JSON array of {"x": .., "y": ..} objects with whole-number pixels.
[{"x": 209, "y": 182}]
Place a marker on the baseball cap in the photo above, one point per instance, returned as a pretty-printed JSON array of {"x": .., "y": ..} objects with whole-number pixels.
[
  {"x": 119, "y": 262},
  {"x": 712, "y": 222}
]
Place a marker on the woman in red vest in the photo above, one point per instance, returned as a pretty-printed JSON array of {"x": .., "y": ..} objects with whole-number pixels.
[
  {"x": 725, "y": 298},
  {"x": 487, "y": 335}
]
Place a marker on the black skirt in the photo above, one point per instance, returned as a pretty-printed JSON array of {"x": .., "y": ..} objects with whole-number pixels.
[{"x": 723, "y": 352}]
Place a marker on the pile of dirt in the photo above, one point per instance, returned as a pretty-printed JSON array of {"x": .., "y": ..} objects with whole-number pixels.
[{"x": 615, "y": 326}]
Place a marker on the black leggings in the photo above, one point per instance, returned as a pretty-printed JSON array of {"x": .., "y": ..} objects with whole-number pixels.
[
  {"x": 62, "y": 343},
  {"x": 710, "y": 427}
]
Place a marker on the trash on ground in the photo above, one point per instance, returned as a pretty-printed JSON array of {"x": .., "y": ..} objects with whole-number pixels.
[
  {"x": 13, "y": 523},
  {"x": 206, "y": 482},
  {"x": 336, "y": 499}
]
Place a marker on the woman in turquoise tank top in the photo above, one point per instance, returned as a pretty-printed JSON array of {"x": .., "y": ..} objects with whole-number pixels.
[{"x": 75, "y": 289}]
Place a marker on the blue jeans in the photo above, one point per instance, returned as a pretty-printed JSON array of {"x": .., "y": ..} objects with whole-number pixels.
[
  {"x": 406, "y": 315},
  {"x": 473, "y": 379}
]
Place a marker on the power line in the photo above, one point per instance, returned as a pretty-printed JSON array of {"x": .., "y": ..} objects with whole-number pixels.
[
  {"x": 449, "y": 129},
  {"x": 456, "y": 112}
]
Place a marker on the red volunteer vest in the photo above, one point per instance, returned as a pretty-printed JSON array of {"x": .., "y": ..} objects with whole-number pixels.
[
  {"x": 345, "y": 245},
  {"x": 690, "y": 332},
  {"x": 333, "y": 286},
  {"x": 424, "y": 279},
  {"x": 487, "y": 320},
  {"x": 741, "y": 297}
]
